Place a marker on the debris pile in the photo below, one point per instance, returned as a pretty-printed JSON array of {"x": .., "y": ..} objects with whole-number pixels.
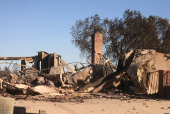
[
  {"x": 47, "y": 77},
  {"x": 54, "y": 84}
]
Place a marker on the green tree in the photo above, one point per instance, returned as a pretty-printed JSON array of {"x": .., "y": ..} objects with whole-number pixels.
[
  {"x": 82, "y": 32},
  {"x": 122, "y": 35}
]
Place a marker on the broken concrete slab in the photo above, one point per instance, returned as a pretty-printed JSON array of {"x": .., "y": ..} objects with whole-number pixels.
[
  {"x": 56, "y": 70},
  {"x": 21, "y": 86},
  {"x": 44, "y": 89}
]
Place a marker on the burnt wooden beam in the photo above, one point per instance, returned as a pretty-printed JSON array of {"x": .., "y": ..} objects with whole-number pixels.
[
  {"x": 67, "y": 66},
  {"x": 109, "y": 62},
  {"x": 82, "y": 64},
  {"x": 88, "y": 62},
  {"x": 78, "y": 69},
  {"x": 23, "y": 67},
  {"x": 16, "y": 58}
]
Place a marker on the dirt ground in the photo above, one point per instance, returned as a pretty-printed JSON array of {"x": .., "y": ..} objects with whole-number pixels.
[{"x": 99, "y": 106}]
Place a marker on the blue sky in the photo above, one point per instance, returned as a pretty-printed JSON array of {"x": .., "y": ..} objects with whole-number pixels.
[{"x": 27, "y": 26}]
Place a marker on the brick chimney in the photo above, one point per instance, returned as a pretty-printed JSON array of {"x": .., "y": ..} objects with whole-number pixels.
[{"x": 97, "y": 41}]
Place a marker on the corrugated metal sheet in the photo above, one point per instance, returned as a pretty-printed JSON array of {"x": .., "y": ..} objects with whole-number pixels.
[{"x": 153, "y": 83}]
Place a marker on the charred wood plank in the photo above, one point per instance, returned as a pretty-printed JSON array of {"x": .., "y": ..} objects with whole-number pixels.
[
  {"x": 108, "y": 80},
  {"x": 16, "y": 58},
  {"x": 92, "y": 84},
  {"x": 109, "y": 62},
  {"x": 67, "y": 66}
]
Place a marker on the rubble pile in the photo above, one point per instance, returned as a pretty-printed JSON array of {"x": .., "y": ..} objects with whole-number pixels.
[{"x": 51, "y": 83}]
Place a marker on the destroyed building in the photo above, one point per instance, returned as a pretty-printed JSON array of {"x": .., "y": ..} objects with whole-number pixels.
[
  {"x": 146, "y": 71},
  {"x": 149, "y": 70}
]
